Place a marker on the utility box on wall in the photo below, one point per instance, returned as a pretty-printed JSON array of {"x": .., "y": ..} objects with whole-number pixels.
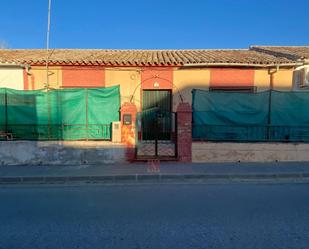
[
  {"x": 127, "y": 119},
  {"x": 116, "y": 132}
]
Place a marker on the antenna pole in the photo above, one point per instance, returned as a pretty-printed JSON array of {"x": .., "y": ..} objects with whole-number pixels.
[{"x": 47, "y": 44}]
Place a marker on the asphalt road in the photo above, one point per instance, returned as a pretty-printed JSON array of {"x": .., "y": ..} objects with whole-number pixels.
[{"x": 238, "y": 215}]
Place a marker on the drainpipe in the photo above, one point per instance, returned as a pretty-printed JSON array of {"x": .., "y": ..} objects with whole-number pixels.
[
  {"x": 13, "y": 65},
  {"x": 271, "y": 73}
]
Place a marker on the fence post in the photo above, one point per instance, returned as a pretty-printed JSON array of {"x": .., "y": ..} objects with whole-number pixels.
[
  {"x": 269, "y": 115},
  {"x": 6, "y": 111},
  {"x": 184, "y": 132},
  {"x": 48, "y": 113},
  {"x": 86, "y": 100},
  {"x": 128, "y": 129}
]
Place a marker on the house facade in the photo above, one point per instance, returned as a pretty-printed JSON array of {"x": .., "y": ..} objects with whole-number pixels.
[
  {"x": 153, "y": 78},
  {"x": 179, "y": 71}
]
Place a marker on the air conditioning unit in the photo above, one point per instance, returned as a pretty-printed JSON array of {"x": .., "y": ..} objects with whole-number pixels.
[{"x": 301, "y": 78}]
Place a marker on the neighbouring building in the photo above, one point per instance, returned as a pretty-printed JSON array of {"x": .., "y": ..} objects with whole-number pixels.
[{"x": 160, "y": 79}]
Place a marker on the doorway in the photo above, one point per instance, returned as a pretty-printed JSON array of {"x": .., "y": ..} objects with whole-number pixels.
[{"x": 157, "y": 125}]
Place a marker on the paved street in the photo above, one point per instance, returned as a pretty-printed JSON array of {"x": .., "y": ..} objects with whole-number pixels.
[{"x": 231, "y": 215}]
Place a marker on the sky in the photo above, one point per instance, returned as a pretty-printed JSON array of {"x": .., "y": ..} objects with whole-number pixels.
[{"x": 154, "y": 24}]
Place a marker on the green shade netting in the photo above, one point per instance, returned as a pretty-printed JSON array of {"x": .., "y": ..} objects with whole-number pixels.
[
  {"x": 66, "y": 114},
  {"x": 269, "y": 115}
]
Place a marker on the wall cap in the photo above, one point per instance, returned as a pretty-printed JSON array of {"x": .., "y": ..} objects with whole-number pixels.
[
  {"x": 184, "y": 107},
  {"x": 128, "y": 107}
]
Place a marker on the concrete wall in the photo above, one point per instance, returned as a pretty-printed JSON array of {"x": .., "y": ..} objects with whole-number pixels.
[
  {"x": 12, "y": 78},
  {"x": 249, "y": 152},
  {"x": 60, "y": 152}
]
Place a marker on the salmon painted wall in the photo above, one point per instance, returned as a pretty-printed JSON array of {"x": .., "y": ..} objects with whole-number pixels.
[
  {"x": 83, "y": 76},
  {"x": 136, "y": 78},
  {"x": 231, "y": 77},
  {"x": 156, "y": 78}
]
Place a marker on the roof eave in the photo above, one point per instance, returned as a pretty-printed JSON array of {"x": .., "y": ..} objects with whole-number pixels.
[
  {"x": 228, "y": 64},
  {"x": 13, "y": 65}
]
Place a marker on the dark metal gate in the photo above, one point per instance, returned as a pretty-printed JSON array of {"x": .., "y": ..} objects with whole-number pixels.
[{"x": 156, "y": 134}]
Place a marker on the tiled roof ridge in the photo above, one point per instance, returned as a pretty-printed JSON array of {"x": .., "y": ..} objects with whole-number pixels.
[
  {"x": 275, "y": 51},
  {"x": 278, "y": 46}
]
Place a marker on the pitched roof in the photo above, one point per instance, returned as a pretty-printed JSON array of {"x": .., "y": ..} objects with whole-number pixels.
[
  {"x": 138, "y": 57},
  {"x": 290, "y": 52}
]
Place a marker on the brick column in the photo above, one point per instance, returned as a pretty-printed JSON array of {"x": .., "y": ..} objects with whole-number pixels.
[
  {"x": 184, "y": 132},
  {"x": 128, "y": 130}
]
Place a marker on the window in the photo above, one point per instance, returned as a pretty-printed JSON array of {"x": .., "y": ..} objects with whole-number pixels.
[{"x": 245, "y": 89}]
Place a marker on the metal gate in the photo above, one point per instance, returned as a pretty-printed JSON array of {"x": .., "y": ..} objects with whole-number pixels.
[{"x": 156, "y": 134}]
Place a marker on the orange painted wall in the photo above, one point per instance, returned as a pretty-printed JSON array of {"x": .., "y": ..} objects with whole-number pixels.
[
  {"x": 37, "y": 77},
  {"x": 283, "y": 80},
  {"x": 136, "y": 78},
  {"x": 26, "y": 80},
  {"x": 83, "y": 76},
  {"x": 231, "y": 77},
  {"x": 163, "y": 76},
  {"x": 156, "y": 75}
]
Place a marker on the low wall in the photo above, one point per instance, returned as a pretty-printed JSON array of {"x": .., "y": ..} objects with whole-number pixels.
[
  {"x": 249, "y": 152},
  {"x": 60, "y": 152}
]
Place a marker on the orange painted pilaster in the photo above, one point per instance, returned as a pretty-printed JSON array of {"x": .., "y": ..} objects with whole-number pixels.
[
  {"x": 184, "y": 132},
  {"x": 128, "y": 130},
  {"x": 26, "y": 82},
  {"x": 157, "y": 78}
]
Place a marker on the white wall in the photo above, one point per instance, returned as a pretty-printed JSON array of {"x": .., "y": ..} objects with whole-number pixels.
[{"x": 12, "y": 78}]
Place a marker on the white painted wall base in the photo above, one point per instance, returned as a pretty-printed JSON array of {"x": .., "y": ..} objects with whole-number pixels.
[
  {"x": 249, "y": 152},
  {"x": 60, "y": 152}
]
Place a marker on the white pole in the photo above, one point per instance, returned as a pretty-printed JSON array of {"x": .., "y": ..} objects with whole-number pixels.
[{"x": 47, "y": 44}]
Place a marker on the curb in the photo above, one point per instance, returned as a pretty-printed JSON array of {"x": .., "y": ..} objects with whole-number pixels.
[{"x": 159, "y": 177}]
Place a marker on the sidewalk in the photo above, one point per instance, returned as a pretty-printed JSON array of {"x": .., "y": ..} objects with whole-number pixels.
[{"x": 148, "y": 172}]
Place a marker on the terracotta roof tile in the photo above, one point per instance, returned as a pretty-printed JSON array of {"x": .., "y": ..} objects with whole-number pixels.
[
  {"x": 139, "y": 57},
  {"x": 289, "y": 52}
]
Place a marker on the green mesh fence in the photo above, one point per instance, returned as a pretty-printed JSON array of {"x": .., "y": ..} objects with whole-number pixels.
[
  {"x": 264, "y": 116},
  {"x": 66, "y": 114}
]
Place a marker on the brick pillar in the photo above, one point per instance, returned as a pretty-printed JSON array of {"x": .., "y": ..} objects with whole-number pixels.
[
  {"x": 128, "y": 129},
  {"x": 184, "y": 132}
]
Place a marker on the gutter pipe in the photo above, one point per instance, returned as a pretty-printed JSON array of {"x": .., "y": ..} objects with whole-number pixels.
[
  {"x": 13, "y": 65},
  {"x": 242, "y": 64}
]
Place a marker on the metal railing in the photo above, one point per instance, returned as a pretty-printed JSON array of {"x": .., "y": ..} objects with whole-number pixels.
[
  {"x": 57, "y": 132},
  {"x": 251, "y": 133}
]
